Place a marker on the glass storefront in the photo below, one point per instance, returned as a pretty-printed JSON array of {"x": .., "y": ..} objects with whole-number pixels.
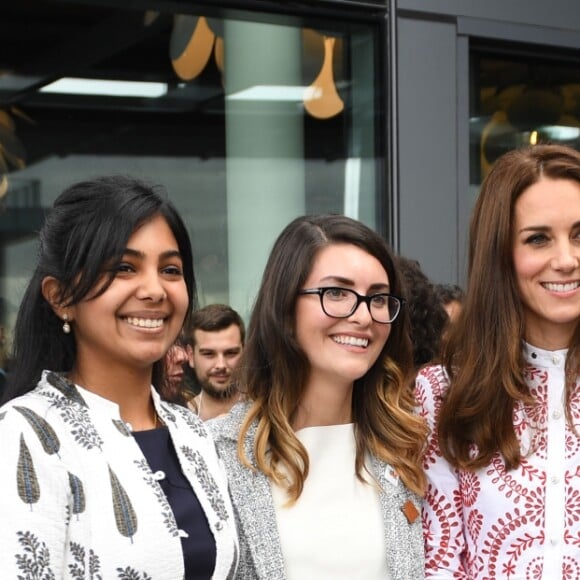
[{"x": 247, "y": 118}]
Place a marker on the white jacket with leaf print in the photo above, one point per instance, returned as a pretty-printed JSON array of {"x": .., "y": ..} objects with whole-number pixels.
[{"x": 79, "y": 501}]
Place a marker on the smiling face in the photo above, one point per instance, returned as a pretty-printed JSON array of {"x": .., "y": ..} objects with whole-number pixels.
[
  {"x": 341, "y": 351},
  {"x": 546, "y": 255},
  {"x": 137, "y": 319},
  {"x": 215, "y": 356}
]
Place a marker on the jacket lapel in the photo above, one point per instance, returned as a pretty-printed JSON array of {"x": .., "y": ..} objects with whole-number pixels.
[
  {"x": 252, "y": 499},
  {"x": 405, "y": 558}
]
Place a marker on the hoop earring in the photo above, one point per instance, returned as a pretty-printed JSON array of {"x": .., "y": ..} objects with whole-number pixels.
[{"x": 66, "y": 326}]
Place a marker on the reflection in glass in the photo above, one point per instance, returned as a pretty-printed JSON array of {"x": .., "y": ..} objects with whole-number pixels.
[
  {"x": 259, "y": 118},
  {"x": 520, "y": 100}
]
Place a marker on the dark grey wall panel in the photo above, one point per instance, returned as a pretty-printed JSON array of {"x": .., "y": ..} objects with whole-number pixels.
[
  {"x": 427, "y": 139},
  {"x": 564, "y": 14}
]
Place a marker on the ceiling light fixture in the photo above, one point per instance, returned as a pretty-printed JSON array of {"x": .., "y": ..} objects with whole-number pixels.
[
  {"x": 271, "y": 93},
  {"x": 109, "y": 88}
]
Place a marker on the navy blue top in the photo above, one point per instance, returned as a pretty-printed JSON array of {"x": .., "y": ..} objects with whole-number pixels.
[{"x": 199, "y": 550}]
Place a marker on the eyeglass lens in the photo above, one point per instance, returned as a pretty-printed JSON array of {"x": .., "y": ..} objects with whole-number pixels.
[{"x": 341, "y": 303}]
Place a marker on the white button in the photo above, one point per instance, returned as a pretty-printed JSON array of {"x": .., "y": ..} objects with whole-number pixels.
[
  {"x": 554, "y": 541},
  {"x": 556, "y": 359},
  {"x": 555, "y": 479},
  {"x": 556, "y": 414},
  {"x": 159, "y": 475}
]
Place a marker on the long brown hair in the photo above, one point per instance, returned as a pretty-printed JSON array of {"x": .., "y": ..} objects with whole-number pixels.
[
  {"x": 274, "y": 369},
  {"x": 484, "y": 355}
]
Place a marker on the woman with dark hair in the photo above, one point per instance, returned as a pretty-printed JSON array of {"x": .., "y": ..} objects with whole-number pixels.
[
  {"x": 452, "y": 297},
  {"x": 503, "y": 459},
  {"x": 323, "y": 460},
  {"x": 101, "y": 478},
  {"x": 426, "y": 313}
]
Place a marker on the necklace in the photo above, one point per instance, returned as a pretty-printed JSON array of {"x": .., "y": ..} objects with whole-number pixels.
[{"x": 199, "y": 404}]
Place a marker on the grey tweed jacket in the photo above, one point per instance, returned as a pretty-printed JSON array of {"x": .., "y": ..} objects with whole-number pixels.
[{"x": 261, "y": 554}]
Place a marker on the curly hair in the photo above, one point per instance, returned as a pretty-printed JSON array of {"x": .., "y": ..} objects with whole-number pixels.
[
  {"x": 449, "y": 293},
  {"x": 426, "y": 312}
]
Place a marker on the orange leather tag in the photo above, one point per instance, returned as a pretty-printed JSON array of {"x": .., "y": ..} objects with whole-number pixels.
[{"x": 410, "y": 511}]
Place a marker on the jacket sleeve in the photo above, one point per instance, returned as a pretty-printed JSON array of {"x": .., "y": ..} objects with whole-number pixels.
[
  {"x": 34, "y": 510},
  {"x": 443, "y": 529}
]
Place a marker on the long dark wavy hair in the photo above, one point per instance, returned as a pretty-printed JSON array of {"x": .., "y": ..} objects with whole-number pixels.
[
  {"x": 274, "y": 369},
  {"x": 484, "y": 353},
  {"x": 83, "y": 238}
]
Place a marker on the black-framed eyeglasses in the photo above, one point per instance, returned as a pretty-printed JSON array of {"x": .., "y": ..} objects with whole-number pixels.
[{"x": 339, "y": 302}]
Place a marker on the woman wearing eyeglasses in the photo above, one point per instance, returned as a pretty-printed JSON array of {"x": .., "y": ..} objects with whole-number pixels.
[{"x": 323, "y": 460}]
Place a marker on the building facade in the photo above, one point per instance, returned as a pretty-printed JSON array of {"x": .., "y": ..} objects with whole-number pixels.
[{"x": 252, "y": 112}]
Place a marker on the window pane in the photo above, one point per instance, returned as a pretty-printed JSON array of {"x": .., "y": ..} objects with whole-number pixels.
[
  {"x": 518, "y": 100},
  {"x": 252, "y": 120}
]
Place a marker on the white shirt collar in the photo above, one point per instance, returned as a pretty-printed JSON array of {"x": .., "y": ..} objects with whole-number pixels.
[{"x": 544, "y": 358}]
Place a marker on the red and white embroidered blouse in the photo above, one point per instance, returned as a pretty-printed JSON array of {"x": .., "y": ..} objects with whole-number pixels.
[{"x": 522, "y": 524}]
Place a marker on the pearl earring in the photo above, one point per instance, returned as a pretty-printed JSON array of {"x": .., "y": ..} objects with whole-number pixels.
[{"x": 66, "y": 325}]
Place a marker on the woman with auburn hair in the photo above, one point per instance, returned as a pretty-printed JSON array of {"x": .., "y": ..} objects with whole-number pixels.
[
  {"x": 324, "y": 459},
  {"x": 503, "y": 459}
]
